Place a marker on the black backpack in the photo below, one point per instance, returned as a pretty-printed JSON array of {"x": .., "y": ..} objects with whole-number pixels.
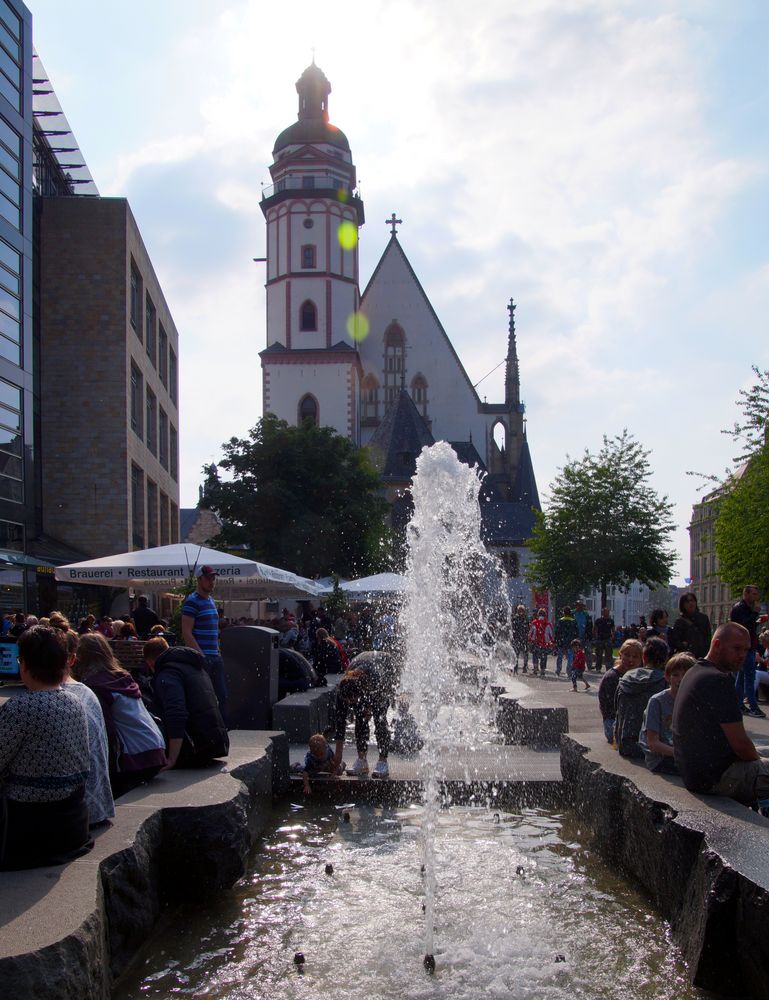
[{"x": 633, "y": 693}]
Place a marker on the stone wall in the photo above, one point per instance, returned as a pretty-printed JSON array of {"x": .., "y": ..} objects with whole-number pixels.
[{"x": 701, "y": 859}]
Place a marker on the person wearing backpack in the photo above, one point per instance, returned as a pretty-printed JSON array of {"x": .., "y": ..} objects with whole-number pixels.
[
  {"x": 633, "y": 693},
  {"x": 630, "y": 657}
]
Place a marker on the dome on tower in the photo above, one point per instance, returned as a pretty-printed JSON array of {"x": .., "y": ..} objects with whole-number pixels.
[{"x": 313, "y": 124}]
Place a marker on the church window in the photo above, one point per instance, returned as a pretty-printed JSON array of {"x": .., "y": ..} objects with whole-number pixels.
[
  {"x": 370, "y": 401},
  {"x": 308, "y": 223},
  {"x": 308, "y": 182},
  {"x": 499, "y": 433},
  {"x": 308, "y": 409},
  {"x": 308, "y": 316},
  {"x": 419, "y": 393},
  {"x": 308, "y": 255},
  {"x": 394, "y": 360}
]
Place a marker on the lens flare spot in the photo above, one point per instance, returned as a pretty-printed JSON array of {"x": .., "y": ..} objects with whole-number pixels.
[
  {"x": 358, "y": 326},
  {"x": 347, "y": 235},
  {"x": 342, "y": 195}
]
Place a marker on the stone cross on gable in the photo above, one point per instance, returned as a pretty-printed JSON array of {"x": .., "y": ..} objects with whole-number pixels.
[{"x": 392, "y": 221}]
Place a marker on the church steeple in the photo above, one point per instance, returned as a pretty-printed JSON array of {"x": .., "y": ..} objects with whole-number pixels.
[
  {"x": 313, "y": 89},
  {"x": 512, "y": 376}
]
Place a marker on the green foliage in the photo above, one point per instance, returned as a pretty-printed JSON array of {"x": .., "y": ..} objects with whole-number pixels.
[
  {"x": 742, "y": 526},
  {"x": 604, "y": 524},
  {"x": 302, "y": 498},
  {"x": 751, "y": 431},
  {"x": 336, "y": 604}
]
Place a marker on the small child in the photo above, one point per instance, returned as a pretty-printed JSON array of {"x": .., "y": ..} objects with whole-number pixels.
[
  {"x": 578, "y": 664},
  {"x": 319, "y": 759},
  {"x": 656, "y": 739}
]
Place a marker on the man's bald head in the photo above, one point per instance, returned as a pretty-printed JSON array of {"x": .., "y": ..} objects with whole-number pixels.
[{"x": 729, "y": 647}]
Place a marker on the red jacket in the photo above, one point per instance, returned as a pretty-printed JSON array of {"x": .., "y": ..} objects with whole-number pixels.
[{"x": 541, "y": 633}]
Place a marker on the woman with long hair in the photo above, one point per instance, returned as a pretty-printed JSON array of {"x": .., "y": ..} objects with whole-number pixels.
[
  {"x": 137, "y": 747},
  {"x": 691, "y": 631}
]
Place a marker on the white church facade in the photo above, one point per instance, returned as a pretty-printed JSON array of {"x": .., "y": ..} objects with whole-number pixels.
[{"x": 401, "y": 385}]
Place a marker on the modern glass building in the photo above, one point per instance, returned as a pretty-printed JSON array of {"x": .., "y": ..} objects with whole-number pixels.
[{"x": 18, "y": 404}]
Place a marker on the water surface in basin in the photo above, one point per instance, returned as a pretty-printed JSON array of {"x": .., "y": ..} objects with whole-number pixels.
[{"x": 516, "y": 892}]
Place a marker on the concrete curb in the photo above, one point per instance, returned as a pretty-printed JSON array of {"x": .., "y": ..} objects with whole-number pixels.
[
  {"x": 702, "y": 859},
  {"x": 69, "y": 931}
]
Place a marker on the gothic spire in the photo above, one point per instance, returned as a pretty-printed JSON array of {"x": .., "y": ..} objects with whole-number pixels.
[{"x": 512, "y": 377}]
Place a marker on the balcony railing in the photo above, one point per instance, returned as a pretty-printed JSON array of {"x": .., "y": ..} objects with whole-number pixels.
[{"x": 309, "y": 183}]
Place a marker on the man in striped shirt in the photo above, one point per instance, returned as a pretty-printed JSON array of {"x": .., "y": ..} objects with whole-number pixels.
[{"x": 200, "y": 629}]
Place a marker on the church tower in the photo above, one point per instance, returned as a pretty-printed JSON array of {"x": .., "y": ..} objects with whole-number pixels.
[{"x": 310, "y": 367}]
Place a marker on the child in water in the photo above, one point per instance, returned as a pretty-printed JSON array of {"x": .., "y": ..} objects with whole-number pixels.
[
  {"x": 578, "y": 665},
  {"x": 318, "y": 760}
]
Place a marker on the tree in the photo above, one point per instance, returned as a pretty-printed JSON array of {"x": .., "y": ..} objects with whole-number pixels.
[
  {"x": 752, "y": 431},
  {"x": 742, "y": 526},
  {"x": 604, "y": 524},
  {"x": 303, "y": 498}
]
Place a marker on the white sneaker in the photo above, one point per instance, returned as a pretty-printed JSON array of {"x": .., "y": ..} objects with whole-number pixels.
[
  {"x": 381, "y": 769},
  {"x": 360, "y": 766}
]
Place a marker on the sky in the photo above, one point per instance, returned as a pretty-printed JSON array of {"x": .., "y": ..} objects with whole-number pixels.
[{"x": 603, "y": 162}]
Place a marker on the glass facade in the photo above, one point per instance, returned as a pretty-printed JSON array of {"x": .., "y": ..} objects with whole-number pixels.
[{"x": 19, "y": 393}]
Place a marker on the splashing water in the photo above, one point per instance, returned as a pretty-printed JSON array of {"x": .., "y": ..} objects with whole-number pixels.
[{"x": 453, "y": 583}]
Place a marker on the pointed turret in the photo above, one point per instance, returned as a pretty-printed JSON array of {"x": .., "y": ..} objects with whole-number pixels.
[{"x": 512, "y": 375}]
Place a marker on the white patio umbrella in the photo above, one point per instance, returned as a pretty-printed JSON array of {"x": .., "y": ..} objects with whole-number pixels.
[
  {"x": 172, "y": 565},
  {"x": 378, "y": 585}
]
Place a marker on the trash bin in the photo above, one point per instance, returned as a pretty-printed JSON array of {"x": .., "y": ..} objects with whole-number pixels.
[{"x": 250, "y": 654}]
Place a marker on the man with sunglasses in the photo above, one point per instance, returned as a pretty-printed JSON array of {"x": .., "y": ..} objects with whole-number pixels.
[{"x": 200, "y": 629}]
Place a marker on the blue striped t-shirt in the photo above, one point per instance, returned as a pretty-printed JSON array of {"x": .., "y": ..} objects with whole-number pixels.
[{"x": 206, "y": 626}]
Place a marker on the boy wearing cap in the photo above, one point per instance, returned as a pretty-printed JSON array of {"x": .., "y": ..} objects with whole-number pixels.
[{"x": 200, "y": 629}]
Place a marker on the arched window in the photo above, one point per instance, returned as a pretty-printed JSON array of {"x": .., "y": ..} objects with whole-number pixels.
[
  {"x": 499, "y": 433},
  {"x": 394, "y": 360},
  {"x": 419, "y": 393},
  {"x": 308, "y": 255},
  {"x": 308, "y": 316},
  {"x": 308, "y": 409},
  {"x": 369, "y": 397}
]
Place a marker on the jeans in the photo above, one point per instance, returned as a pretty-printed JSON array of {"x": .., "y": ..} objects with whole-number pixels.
[
  {"x": 746, "y": 680},
  {"x": 603, "y": 651},
  {"x": 539, "y": 659},
  {"x": 525, "y": 654},
  {"x": 608, "y": 730},
  {"x": 215, "y": 668},
  {"x": 559, "y": 660},
  {"x": 378, "y": 710}
]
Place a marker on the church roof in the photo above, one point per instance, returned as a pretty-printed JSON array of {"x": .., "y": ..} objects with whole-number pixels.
[
  {"x": 313, "y": 124},
  {"x": 525, "y": 486},
  {"x": 341, "y": 346},
  {"x": 311, "y": 130},
  {"x": 399, "y": 439},
  {"x": 394, "y": 247},
  {"x": 467, "y": 452},
  {"x": 506, "y": 523}
]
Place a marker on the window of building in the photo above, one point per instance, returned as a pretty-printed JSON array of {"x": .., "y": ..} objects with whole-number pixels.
[
  {"x": 394, "y": 360},
  {"x": 308, "y": 255},
  {"x": 173, "y": 530},
  {"x": 308, "y": 409},
  {"x": 137, "y": 401},
  {"x": 10, "y": 303},
  {"x": 137, "y": 506},
  {"x": 419, "y": 393},
  {"x": 173, "y": 448},
  {"x": 12, "y": 536},
  {"x": 152, "y": 422},
  {"x": 10, "y": 166},
  {"x": 308, "y": 182},
  {"x": 163, "y": 437},
  {"x": 152, "y": 514},
  {"x": 370, "y": 401},
  {"x": 136, "y": 300},
  {"x": 163, "y": 354},
  {"x": 150, "y": 338},
  {"x": 308, "y": 316},
  {"x": 510, "y": 563},
  {"x": 11, "y": 444},
  {"x": 173, "y": 376},
  {"x": 163, "y": 519}
]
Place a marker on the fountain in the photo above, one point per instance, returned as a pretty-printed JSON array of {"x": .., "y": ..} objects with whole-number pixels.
[
  {"x": 453, "y": 580},
  {"x": 522, "y": 907}
]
